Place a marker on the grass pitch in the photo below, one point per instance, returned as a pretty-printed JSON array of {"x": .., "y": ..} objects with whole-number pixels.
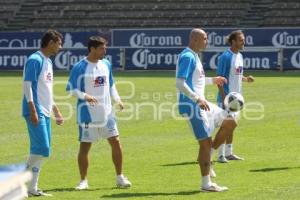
[{"x": 159, "y": 149}]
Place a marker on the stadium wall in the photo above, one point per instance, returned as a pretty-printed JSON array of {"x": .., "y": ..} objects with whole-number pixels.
[{"x": 140, "y": 49}]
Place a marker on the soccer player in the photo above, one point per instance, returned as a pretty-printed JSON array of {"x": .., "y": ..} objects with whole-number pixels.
[
  {"x": 91, "y": 81},
  {"x": 38, "y": 104},
  {"x": 230, "y": 66},
  {"x": 202, "y": 115}
]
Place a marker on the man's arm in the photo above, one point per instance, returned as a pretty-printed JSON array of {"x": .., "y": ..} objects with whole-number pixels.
[
  {"x": 116, "y": 97},
  {"x": 29, "y": 98},
  {"x": 58, "y": 116},
  {"x": 186, "y": 90},
  {"x": 248, "y": 79}
]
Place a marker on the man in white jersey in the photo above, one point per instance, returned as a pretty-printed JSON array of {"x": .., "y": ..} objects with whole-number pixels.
[
  {"x": 91, "y": 81},
  {"x": 38, "y": 104},
  {"x": 202, "y": 115},
  {"x": 230, "y": 66}
]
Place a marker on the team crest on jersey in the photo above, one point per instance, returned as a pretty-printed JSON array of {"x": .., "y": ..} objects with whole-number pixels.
[
  {"x": 100, "y": 81},
  {"x": 48, "y": 76},
  {"x": 239, "y": 70}
]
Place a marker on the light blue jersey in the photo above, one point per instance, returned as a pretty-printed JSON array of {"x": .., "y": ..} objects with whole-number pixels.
[
  {"x": 94, "y": 79},
  {"x": 230, "y": 66},
  {"x": 38, "y": 70},
  {"x": 190, "y": 68}
]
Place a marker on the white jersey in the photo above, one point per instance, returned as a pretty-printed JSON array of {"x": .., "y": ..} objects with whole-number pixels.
[
  {"x": 236, "y": 73},
  {"x": 39, "y": 71},
  {"x": 94, "y": 79}
]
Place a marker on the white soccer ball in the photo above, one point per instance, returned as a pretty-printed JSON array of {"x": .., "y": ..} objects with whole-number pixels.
[{"x": 234, "y": 102}]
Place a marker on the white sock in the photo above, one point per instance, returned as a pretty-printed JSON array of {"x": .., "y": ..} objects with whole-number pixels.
[
  {"x": 206, "y": 182},
  {"x": 34, "y": 165},
  {"x": 120, "y": 176},
  {"x": 228, "y": 149},
  {"x": 221, "y": 150}
]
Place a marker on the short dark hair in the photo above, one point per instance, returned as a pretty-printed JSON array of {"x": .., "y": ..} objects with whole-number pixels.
[
  {"x": 233, "y": 36},
  {"x": 96, "y": 41},
  {"x": 50, "y": 35}
]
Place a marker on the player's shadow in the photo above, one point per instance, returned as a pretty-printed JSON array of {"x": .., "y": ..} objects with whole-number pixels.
[
  {"x": 146, "y": 194},
  {"x": 179, "y": 164},
  {"x": 74, "y": 190},
  {"x": 271, "y": 169}
]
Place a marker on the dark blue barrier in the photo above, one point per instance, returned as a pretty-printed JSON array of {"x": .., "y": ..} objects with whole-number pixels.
[
  {"x": 291, "y": 58},
  {"x": 277, "y": 37},
  {"x": 252, "y": 60},
  {"x": 32, "y": 39},
  {"x": 16, "y": 58},
  {"x": 151, "y": 58}
]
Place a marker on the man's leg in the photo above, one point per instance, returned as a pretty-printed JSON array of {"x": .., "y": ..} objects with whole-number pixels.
[
  {"x": 227, "y": 127},
  {"x": 83, "y": 160},
  {"x": 117, "y": 157},
  {"x": 204, "y": 160}
]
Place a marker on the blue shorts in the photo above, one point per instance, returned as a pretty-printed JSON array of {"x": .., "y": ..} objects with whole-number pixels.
[
  {"x": 40, "y": 136},
  {"x": 203, "y": 123}
]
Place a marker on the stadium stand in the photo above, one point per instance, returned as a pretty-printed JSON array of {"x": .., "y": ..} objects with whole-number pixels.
[{"x": 80, "y": 15}]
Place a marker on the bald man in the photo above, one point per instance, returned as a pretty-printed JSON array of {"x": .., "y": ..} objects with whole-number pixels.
[{"x": 203, "y": 116}]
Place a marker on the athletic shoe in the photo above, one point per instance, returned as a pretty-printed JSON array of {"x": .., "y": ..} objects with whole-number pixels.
[
  {"x": 37, "y": 193},
  {"x": 222, "y": 159},
  {"x": 83, "y": 185},
  {"x": 214, "y": 188},
  {"x": 212, "y": 173},
  {"x": 123, "y": 182},
  {"x": 233, "y": 157}
]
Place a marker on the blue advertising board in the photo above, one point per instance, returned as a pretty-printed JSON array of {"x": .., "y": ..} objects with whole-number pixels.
[
  {"x": 277, "y": 37},
  {"x": 16, "y": 58},
  {"x": 33, "y": 39},
  {"x": 291, "y": 58},
  {"x": 252, "y": 60}
]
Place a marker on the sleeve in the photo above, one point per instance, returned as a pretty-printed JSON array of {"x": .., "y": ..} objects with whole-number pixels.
[
  {"x": 27, "y": 91},
  {"x": 221, "y": 68},
  {"x": 186, "y": 90},
  {"x": 73, "y": 81},
  {"x": 185, "y": 66},
  {"x": 32, "y": 70},
  {"x": 111, "y": 78},
  {"x": 114, "y": 93}
]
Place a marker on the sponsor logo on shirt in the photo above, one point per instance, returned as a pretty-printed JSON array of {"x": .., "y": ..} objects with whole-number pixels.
[
  {"x": 48, "y": 77},
  {"x": 100, "y": 81},
  {"x": 239, "y": 70}
]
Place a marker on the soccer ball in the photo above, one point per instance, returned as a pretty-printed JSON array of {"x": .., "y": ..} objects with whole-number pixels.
[{"x": 234, "y": 102}]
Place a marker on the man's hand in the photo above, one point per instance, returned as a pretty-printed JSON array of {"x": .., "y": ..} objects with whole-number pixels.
[
  {"x": 250, "y": 79},
  {"x": 219, "y": 80},
  {"x": 203, "y": 104},
  {"x": 34, "y": 118},
  {"x": 59, "y": 118},
  {"x": 92, "y": 100},
  {"x": 121, "y": 105}
]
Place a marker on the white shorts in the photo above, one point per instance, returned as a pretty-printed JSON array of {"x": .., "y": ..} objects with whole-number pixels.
[
  {"x": 92, "y": 132},
  {"x": 203, "y": 123}
]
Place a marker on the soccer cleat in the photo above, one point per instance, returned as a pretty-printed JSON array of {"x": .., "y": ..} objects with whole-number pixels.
[
  {"x": 123, "y": 182},
  {"x": 214, "y": 188},
  {"x": 37, "y": 193},
  {"x": 212, "y": 173},
  {"x": 222, "y": 159},
  {"x": 233, "y": 157},
  {"x": 83, "y": 185}
]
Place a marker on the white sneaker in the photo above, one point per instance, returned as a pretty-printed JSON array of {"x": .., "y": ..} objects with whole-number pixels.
[
  {"x": 222, "y": 159},
  {"x": 123, "y": 182},
  {"x": 37, "y": 193},
  {"x": 212, "y": 173},
  {"x": 214, "y": 188},
  {"x": 83, "y": 185}
]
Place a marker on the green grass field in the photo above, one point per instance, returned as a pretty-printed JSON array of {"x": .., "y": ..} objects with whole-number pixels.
[{"x": 159, "y": 150}]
